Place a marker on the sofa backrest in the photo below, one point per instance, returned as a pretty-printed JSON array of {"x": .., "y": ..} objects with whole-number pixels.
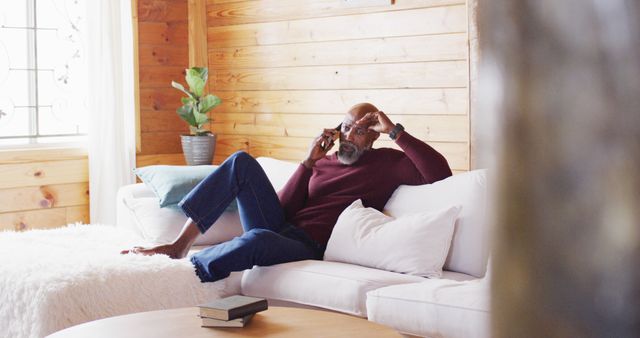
[
  {"x": 278, "y": 171},
  {"x": 470, "y": 246}
]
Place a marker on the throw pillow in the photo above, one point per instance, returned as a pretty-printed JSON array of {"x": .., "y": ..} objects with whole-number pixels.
[
  {"x": 170, "y": 183},
  {"x": 415, "y": 244}
]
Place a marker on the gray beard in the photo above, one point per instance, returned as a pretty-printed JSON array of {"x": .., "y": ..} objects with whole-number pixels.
[{"x": 349, "y": 158}]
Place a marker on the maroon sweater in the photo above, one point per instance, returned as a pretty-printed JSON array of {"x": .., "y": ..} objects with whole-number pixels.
[{"x": 314, "y": 198}]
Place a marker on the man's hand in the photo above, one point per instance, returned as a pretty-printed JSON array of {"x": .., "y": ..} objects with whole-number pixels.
[
  {"x": 376, "y": 121},
  {"x": 320, "y": 146}
]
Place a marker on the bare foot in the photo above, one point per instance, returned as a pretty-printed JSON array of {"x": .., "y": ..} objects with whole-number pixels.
[{"x": 171, "y": 250}]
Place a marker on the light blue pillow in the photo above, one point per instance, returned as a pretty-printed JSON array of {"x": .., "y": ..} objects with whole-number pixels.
[{"x": 171, "y": 183}]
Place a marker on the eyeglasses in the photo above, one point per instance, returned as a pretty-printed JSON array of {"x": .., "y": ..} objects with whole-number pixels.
[{"x": 358, "y": 130}]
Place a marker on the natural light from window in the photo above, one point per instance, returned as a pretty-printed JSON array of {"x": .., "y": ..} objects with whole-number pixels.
[{"x": 43, "y": 72}]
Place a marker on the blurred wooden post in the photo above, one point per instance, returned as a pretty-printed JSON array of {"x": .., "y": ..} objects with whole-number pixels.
[
  {"x": 566, "y": 84},
  {"x": 198, "y": 33},
  {"x": 198, "y": 38},
  {"x": 136, "y": 73}
]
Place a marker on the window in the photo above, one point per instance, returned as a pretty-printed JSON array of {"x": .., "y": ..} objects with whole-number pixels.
[{"x": 43, "y": 71}]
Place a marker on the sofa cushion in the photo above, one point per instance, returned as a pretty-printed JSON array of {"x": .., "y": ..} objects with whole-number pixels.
[
  {"x": 470, "y": 245},
  {"x": 433, "y": 308},
  {"x": 415, "y": 244},
  {"x": 331, "y": 285}
]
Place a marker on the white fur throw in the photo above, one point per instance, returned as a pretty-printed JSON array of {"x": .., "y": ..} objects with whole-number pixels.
[{"x": 53, "y": 279}]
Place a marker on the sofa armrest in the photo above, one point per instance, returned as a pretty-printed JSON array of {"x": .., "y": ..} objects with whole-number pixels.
[
  {"x": 124, "y": 216},
  {"x": 139, "y": 210}
]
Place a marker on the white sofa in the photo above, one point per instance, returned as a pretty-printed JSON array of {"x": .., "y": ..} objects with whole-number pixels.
[{"x": 457, "y": 305}]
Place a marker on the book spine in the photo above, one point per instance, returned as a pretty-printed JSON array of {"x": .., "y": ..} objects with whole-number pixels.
[{"x": 220, "y": 315}]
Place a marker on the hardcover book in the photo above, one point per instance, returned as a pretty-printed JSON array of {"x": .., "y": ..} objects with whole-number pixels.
[
  {"x": 233, "y": 307},
  {"x": 238, "y": 322}
]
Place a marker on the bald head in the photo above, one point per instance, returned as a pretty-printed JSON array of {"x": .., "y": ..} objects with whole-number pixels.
[{"x": 359, "y": 110}]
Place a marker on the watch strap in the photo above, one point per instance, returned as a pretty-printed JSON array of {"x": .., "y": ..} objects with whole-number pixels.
[{"x": 395, "y": 131}]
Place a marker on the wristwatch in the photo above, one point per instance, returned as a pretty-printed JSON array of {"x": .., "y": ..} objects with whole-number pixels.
[{"x": 395, "y": 131}]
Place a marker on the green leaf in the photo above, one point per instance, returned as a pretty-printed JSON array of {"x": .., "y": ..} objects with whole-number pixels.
[
  {"x": 186, "y": 113},
  {"x": 188, "y": 100},
  {"x": 180, "y": 87},
  {"x": 195, "y": 81},
  {"x": 203, "y": 72},
  {"x": 209, "y": 102},
  {"x": 201, "y": 118}
]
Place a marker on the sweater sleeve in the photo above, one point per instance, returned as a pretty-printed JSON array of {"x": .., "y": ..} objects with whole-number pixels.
[
  {"x": 431, "y": 165},
  {"x": 293, "y": 195}
]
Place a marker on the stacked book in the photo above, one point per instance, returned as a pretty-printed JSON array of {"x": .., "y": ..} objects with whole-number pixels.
[{"x": 234, "y": 311}]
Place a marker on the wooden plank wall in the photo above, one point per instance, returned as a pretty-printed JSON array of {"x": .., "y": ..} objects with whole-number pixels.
[
  {"x": 163, "y": 56},
  {"x": 285, "y": 69},
  {"x": 43, "y": 188}
]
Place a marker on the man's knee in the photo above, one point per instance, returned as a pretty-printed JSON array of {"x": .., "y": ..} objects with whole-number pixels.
[
  {"x": 241, "y": 157},
  {"x": 259, "y": 235}
]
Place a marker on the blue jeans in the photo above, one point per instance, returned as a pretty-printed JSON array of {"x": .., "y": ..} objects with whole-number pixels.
[{"x": 267, "y": 239}]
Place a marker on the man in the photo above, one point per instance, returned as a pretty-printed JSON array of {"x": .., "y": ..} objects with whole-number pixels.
[{"x": 296, "y": 223}]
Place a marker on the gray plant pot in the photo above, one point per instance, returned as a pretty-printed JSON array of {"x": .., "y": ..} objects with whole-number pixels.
[{"x": 198, "y": 150}]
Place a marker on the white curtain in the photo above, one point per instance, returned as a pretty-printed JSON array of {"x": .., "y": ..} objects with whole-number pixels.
[{"x": 111, "y": 105}]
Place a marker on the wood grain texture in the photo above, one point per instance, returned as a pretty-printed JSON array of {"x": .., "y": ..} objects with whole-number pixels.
[
  {"x": 197, "y": 33},
  {"x": 438, "y": 20},
  {"x": 37, "y": 185},
  {"x": 237, "y": 13},
  {"x": 162, "y": 33},
  {"x": 431, "y": 128},
  {"x": 213, "y": 2},
  {"x": 136, "y": 66},
  {"x": 440, "y": 101},
  {"x": 160, "y": 77},
  {"x": 275, "y": 322},
  {"x": 161, "y": 142},
  {"x": 37, "y": 219},
  {"x": 160, "y": 99},
  {"x": 444, "y": 74},
  {"x": 8, "y": 156},
  {"x": 78, "y": 214},
  {"x": 285, "y": 69},
  {"x": 162, "y": 55},
  {"x": 297, "y": 148},
  {"x": 162, "y": 10},
  {"x": 247, "y": 118},
  {"x": 43, "y": 173},
  {"x": 443, "y": 47},
  {"x": 154, "y": 121},
  {"x": 44, "y": 197},
  {"x": 168, "y": 159}
]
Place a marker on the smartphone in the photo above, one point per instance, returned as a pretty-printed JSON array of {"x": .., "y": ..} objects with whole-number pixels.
[{"x": 328, "y": 143}]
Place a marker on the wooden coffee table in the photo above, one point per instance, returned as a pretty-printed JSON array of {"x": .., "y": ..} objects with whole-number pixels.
[{"x": 275, "y": 322}]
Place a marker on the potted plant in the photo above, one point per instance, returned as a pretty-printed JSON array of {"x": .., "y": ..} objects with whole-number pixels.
[{"x": 199, "y": 146}]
